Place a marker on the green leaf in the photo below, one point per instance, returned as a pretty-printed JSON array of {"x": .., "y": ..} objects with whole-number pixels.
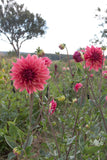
[
  {"x": 92, "y": 149},
  {"x": 79, "y": 66},
  {"x": 103, "y": 98},
  {"x": 70, "y": 140},
  {"x": 28, "y": 150},
  {"x": 83, "y": 101},
  {"x": 11, "y": 155},
  {"x": 1, "y": 81},
  {"x": 14, "y": 131},
  {"x": 42, "y": 153},
  {"x": 71, "y": 157},
  {"x": 92, "y": 102},
  {"x": 10, "y": 141},
  {"x": 29, "y": 142},
  {"x": 61, "y": 158}
]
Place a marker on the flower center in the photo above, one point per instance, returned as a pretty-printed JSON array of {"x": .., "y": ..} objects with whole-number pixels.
[
  {"x": 28, "y": 75},
  {"x": 95, "y": 57}
]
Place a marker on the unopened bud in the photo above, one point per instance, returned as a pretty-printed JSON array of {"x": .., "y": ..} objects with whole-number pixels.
[
  {"x": 103, "y": 48},
  {"x": 78, "y": 56},
  {"x": 61, "y": 99},
  {"x": 62, "y": 46},
  {"x": 16, "y": 151},
  {"x": 40, "y": 52},
  {"x": 87, "y": 126}
]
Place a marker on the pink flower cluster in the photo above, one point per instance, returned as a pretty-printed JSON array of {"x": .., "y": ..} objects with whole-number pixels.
[
  {"x": 48, "y": 62},
  {"x": 91, "y": 75},
  {"x": 52, "y": 106},
  {"x": 65, "y": 68},
  {"x": 93, "y": 57},
  {"x": 77, "y": 86},
  {"x": 30, "y": 73},
  {"x": 77, "y": 57},
  {"x": 104, "y": 73}
]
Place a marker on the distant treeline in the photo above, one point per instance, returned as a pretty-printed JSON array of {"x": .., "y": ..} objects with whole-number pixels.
[
  {"x": 55, "y": 57},
  {"x": 52, "y": 56}
]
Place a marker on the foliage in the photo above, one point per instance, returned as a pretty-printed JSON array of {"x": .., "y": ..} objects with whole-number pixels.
[
  {"x": 19, "y": 24},
  {"x": 101, "y": 36},
  {"x": 74, "y": 131}
]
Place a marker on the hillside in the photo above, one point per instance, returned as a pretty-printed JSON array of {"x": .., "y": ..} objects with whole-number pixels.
[{"x": 49, "y": 55}]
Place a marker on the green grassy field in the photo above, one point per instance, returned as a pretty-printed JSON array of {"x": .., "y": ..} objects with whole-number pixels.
[{"x": 75, "y": 131}]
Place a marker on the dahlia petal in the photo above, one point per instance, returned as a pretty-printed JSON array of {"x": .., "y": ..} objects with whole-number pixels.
[
  {"x": 94, "y": 58},
  {"x": 29, "y": 73},
  {"x": 77, "y": 86},
  {"x": 52, "y": 107}
]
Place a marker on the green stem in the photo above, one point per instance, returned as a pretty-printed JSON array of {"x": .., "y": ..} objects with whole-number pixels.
[
  {"x": 76, "y": 120},
  {"x": 69, "y": 62},
  {"x": 54, "y": 136},
  {"x": 31, "y": 108},
  {"x": 99, "y": 107},
  {"x": 104, "y": 122},
  {"x": 30, "y": 123}
]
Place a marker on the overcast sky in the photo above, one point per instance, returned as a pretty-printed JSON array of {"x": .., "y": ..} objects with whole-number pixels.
[{"x": 69, "y": 21}]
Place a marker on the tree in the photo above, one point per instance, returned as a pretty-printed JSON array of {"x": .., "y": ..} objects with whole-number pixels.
[
  {"x": 18, "y": 24},
  {"x": 101, "y": 36}
]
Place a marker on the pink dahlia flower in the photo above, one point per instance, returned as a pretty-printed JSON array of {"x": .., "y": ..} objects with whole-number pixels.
[
  {"x": 29, "y": 73},
  {"x": 104, "y": 73},
  {"x": 106, "y": 98},
  {"x": 77, "y": 86},
  {"x": 48, "y": 62},
  {"x": 52, "y": 106},
  {"x": 93, "y": 57},
  {"x": 64, "y": 68},
  {"x": 91, "y": 75},
  {"x": 77, "y": 57},
  {"x": 67, "y": 68},
  {"x": 82, "y": 50}
]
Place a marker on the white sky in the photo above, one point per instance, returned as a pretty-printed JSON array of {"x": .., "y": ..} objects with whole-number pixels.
[{"x": 69, "y": 21}]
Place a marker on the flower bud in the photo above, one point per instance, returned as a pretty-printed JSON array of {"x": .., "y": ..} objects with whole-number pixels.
[
  {"x": 87, "y": 126},
  {"x": 55, "y": 66},
  {"x": 77, "y": 86},
  {"x": 104, "y": 74},
  {"x": 103, "y": 48},
  {"x": 16, "y": 151},
  {"x": 40, "y": 52},
  {"x": 62, "y": 46},
  {"x": 61, "y": 99},
  {"x": 91, "y": 75},
  {"x": 57, "y": 53},
  {"x": 54, "y": 123},
  {"x": 74, "y": 100},
  {"x": 52, "y": 106},
  {"x": 77, "y": 56}
]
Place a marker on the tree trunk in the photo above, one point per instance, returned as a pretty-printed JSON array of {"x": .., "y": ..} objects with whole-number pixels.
[{"x": 18, "y": 53}]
